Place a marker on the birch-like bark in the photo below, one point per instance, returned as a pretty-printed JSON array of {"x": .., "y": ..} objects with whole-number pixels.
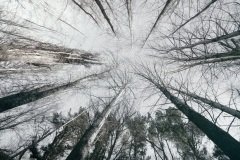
[
  {"x": 212, "y": 61},
  {"x": 84, "y": 145},
  {"x": 38, "y": 53}
]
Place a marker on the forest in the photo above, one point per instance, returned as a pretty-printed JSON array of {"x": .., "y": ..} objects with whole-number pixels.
[{"x": 119, "y": 80}]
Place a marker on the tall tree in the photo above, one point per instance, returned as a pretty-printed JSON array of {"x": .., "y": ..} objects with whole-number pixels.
[
  {"x": 24, "y": 97},
  {"x": 211, "y": 103},
  {"x": 81, "y": 149},
  {"x": 221, "y": 138},
  {"x": 137, "y": 129},
  {"x": 168, "y": 127}
]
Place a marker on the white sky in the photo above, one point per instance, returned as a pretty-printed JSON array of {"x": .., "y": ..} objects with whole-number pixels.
[{"x": 96, "y": 39}]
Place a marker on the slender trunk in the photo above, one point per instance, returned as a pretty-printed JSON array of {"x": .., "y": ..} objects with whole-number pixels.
[
  {"x": 47, "y": 134},
  {"x": 45, "y": 56},
  {"x": 22, "y": 98},
  {"x": 158, "y": 18},
  {"x": 222, "y": 139},
  {"x": 233, "y": 53},
  {"x": 169, "y": 150},
  {"x": 39, "y": 53},
  {"x": 154, "y": 146},
  {"x": 87, "y": 13},
  {"x": 216, "y": 60},
  {"x": 163, "y": 150},
  {"x": 207, "y": 41},
  {"x": 113, "y": 145},
  {"x": 100, "y": 6},
  {"x": 233, "y": 112},
  {"x": 80, "y": 150},
  {"x": 196, "y": 15}
]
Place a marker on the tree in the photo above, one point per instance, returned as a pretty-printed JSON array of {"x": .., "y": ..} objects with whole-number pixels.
[
  {"x": 219, "y": 154},
  {"x": 202, "y": 40},
  {"x": 214, "y": 133},
  {"x": 189, "y": 36},
  {"x": 85, "y": 143},
  {"x": 106, "y": 144},
  {"x": 66, "y": 129},
  {"x": 168, "y": 4},
  {"x": 170, "y": 127},
  {"x": 24, "y": 97},
  {"x": 137, "y": 130},
  {"x": 211, "y": 103}
]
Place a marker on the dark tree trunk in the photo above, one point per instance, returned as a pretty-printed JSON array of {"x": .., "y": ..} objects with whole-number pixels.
[
  {"x": 213, "y": 104},
  {"x": 222, "y": 139},
  {"x": 22, "y": 98},
  {"x": 229, "y": 145}
]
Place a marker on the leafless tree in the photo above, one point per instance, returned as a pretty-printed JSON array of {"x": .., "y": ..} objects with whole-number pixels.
[
  {"x": 81, "y": 150},
  {"x": 168, "y": 4},
  {"x": 214, "y": 133},
  {"x": 211, "y": 103},
  {"x": 25, "y": 97},
  {"x": 209, "y": 39}
]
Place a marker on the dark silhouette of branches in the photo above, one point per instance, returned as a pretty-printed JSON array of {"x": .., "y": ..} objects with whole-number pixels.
[
  {"x": 166, "y": 6},
  {"x": 99, "y": 4},
  {"x": 82, "y": 147},
  {"x": 86, "y": 12},
  {"x": 196, "y": 15},
  {"x": 216, "y": 134},
  {"x": 213, "y": 104},
  {"x": 24, "y": 97},
  {"x": 10, "y": 121},
  {"x": 208, "y": 41}
]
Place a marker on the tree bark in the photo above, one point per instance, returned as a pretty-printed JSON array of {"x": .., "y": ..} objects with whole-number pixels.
[
  {"x": 100, "y": 6},
  {"x": 222, "y": 139},
  {"x": 80, "y": 150},
  {"x": 18, "y": 99},
  {"x": 212, "y": 104},
  {"x": 110, "y": 152}
]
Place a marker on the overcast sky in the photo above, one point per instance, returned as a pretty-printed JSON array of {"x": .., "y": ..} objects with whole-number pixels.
[{"x": 84, "y": 34}]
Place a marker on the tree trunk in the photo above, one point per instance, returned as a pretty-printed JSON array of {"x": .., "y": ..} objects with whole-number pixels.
[
  {"x": 80, "y": 150},
  {"x": 212, "y": 104},
  {"x": 216, "y": 39},
  {"x": 100, "y": 6},
  {"x": 222, "y": 139},
  {"x": 22, "y": 98},
  {"x": 110, "y": 152}
]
